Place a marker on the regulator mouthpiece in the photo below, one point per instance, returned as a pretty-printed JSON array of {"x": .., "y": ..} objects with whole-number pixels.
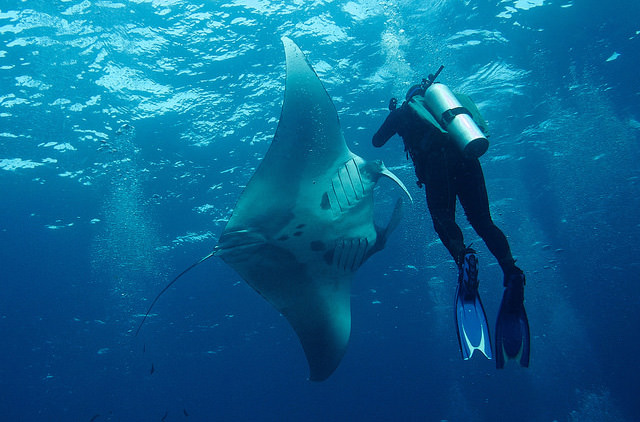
[{"x": 393, "y": 104}]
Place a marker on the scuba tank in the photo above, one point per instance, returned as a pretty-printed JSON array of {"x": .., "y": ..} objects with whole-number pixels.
[
  {"x": 456, "y": 120},
  {"x": 452, "y": 117}
]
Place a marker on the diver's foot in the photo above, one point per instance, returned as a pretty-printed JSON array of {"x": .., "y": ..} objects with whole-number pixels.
[
  {"x": 471, "y": 320},
  {"x": 512, "y": 327},
  {"x": 468, "y": 275},
  {"x": 513, "y": 297}
]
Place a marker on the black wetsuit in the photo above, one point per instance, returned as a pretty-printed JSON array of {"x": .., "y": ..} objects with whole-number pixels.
[{"x": 447, "y": 174}]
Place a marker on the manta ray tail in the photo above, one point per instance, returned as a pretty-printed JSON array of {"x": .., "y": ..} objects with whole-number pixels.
[{"x": 169, "y": 285}]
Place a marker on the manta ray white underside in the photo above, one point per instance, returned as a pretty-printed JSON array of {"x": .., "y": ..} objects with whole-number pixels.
[{"x": 304, "y": 223}]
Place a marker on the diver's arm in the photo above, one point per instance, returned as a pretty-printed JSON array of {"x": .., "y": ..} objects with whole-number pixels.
[{"x": 387, "y": 130}]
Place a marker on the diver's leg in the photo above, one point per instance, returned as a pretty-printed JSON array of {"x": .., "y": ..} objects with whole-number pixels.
[
  {"x": 471, "y": 320},
  {"x": 472, "y": 193},
  {"x": 441, "y": 201},
  {"x": 512, "y": 326}
]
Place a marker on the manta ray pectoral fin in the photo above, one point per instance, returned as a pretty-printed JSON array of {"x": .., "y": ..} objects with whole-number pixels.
[{"x": 322, "y": 321}]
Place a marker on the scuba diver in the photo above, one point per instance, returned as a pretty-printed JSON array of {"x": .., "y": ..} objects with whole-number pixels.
[{"x": 444, "y": 135}]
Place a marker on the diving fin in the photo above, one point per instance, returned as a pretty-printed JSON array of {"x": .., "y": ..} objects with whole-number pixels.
[
  {"x": 512, "y": 326},
  {"x": 471, "y": 321}
]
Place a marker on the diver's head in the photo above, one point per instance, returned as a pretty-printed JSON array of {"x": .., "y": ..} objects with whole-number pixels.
[{"x": 414, "y": 90}]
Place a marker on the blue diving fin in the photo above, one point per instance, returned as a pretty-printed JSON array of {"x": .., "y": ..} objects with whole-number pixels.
[
  {"x": 471, "y": 321},
  {"x": 512, "y": 326}
]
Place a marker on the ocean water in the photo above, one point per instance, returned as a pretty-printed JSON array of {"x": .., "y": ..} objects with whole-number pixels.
[{"x": 129, "y": 128}]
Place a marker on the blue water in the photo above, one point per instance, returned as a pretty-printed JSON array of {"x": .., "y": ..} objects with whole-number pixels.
[{"x": 128, "y": 130}]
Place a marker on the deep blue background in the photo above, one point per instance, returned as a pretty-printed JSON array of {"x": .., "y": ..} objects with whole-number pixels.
[{"x": 96, "y": 218}]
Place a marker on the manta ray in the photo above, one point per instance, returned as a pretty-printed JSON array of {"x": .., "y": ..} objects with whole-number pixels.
[{"x": 304, "y": 223}]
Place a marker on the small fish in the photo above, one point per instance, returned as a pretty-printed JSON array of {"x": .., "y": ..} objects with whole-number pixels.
[
  {"x": 152, "y": 370},
  {"x": 96, "y": 416},
  {"x": 165, "y": 415},
  {"x": 185, "y": 412}
]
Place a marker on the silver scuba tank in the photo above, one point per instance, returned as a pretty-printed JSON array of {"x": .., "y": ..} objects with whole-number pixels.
[{"x": 456, "y": 120}]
